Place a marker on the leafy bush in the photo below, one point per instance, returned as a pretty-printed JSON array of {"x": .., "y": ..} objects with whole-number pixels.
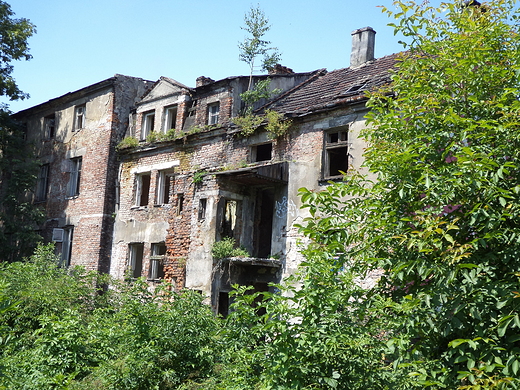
[
  {"x": 65, "y": 332},
  {"x": 152, "y": 137},
  {"x": 276, "y": 125},
  {"x": 227, "y": 248},
  {"x": 248, "y": 123},
  {"x": 128, "y": 143}
]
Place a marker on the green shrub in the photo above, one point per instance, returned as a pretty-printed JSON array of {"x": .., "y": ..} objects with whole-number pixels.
[
  {"x": 227, "y": 248},
  {"x": 153, "y": 137},
  {"x": 128, "y": 143}
]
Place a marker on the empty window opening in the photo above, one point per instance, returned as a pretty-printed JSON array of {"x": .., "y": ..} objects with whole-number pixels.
[
  {"x": 338, "y": 161},
  {"x": 229, "y": 218},
  {"x": 180, "y": 203},
  {"x": 336, "y": 153},
  {"x": 148, "y": 124},
  {"x": 202, "y": 209},
  {"x": 50, "y": 126},
  {"x": 42, "y": 184},
  {"x": 170, "y": 118},
  {"x": 262, "y": 152},
  {"x": 156, "y": 268},
  {"x": 164, "y": 182},
  {"x": 190, "y": 117},
  {"x": 223, "y": 303},
  {"x": 135, "y": 260},
  {"x": 75, "y": 176},
  {"x": 264, "y": 223},
  {"x": 143, "y": 189},
  {"x": 213, "y": 113},
  {"x": 79, "y": 117}
]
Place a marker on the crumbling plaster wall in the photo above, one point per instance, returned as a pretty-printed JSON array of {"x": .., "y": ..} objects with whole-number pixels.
[
  {"x": 189, "y": 238},
  {"x": 85, "y": 211}
]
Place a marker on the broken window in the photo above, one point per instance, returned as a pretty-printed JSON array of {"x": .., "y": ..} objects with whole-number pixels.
[
  {"x": 229, "y": 218},
  {"x": 143, "y": 189},
  {"x": 156, "y": 268},
  {"x": 262, "y": 152},
  {"x": 66, "y": 246},
  {"x": 75, "y": 176},
  {"x": 135, "y": 259},
  {"x": 42, "y": 183},
  {"x": 223, "y": 303},
  {"x": 79, "y": 117},
  {"x": 147, "y": 124},
  {"x": 170, "y": 118},
  {"x": 336, "y": 149},
  {"x": 164, "y": 181},
  {"x": 49, "y": 124},
  {"x": 202, "y": 209},
  {"x": 213, "y": 113}
]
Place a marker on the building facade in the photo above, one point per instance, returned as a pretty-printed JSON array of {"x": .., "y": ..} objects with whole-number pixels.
[
  {"x": 75, "y": 136},
  {"x": 185, "y": 176}
]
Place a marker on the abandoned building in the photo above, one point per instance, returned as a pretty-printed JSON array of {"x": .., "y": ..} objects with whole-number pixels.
[
  {"x": 76, "y": 135},
  {"x": 186, "y": 176}
]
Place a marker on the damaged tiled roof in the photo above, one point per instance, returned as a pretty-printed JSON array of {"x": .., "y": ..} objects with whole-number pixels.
[{"x": 328, "y": 90}]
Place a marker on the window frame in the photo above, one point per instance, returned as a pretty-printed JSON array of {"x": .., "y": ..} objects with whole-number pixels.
[
  {"x": 135, "y": 259},
  {"x": 49, "y": 126},
  {"x": 79, "y": 117},
  {"x": 170, "y": 119},
  {"x": 66, "y": 246},
  {"x": 203, "y": 206},
  {"x": 213, "y": 113},
  {"x": 147, "y": 124},
  {"x": 156, "y": 264},
  {"x": 73, "y": 189},
  {"x": 42, "y": 183},
  {"x": 142, "y": 197},
  {"x": 164, "y": 187},
  {"x": 334, "y": 140}
]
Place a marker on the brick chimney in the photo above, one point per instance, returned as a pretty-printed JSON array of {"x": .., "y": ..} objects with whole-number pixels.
[
  {"x": 363, "y": 42},
  {"x": 203, "y": 80}
]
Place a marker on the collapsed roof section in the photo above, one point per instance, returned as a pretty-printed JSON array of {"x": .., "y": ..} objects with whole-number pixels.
[{"x": 328, "y": 90}]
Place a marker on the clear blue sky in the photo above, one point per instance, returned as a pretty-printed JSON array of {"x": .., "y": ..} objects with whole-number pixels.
[{"x": 79, "y": 43}]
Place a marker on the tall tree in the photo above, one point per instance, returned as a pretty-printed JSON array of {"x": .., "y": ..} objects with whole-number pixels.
[
  {"x": 14, "y": 34},
  {"x": 18, "y": 167},
  {"x": 440, "y": 222},
  {"x": 254, "y": 45},
  {"x": 444, "y": 143}
]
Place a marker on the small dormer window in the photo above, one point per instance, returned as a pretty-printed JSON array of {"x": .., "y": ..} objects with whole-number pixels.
[{"x": 213, "y": 113}]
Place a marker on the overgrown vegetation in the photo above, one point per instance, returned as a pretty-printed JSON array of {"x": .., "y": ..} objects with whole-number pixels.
[
  {"x": 227, "y": 247},
  {"x": 18, "y": 166},
  {"x": 440, "y": 225},
  {"x": 59, "y": 332},
  {"x": 128, "y": 143}
]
